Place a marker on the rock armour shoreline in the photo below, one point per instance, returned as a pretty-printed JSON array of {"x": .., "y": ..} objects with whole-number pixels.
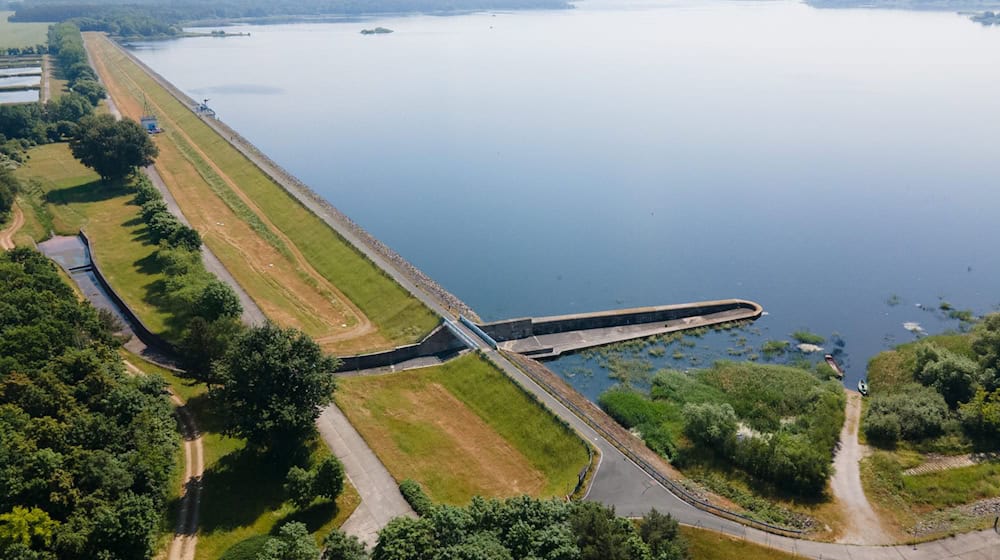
[{"x": 316, "y": 203}]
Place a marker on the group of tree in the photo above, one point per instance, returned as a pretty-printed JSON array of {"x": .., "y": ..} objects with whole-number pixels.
[
  {"x": 28, "y": 50},
  {"x": 713, "y": 405},
  {"x": 162, "y": 225},
  {"x": 87, "y": 453},
  {"x": 520, "y": 527},
  {"x": 9, "y": 186},
  {"x": 148, "y": 18},
  {"x": 952, "y": 391},
  {"x": 28, "y": 124}
]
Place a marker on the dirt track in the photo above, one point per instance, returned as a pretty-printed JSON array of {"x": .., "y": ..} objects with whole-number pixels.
[
  {"x": 7, "y": 235},
  {"x": 861, "y": 524},
  {"x": 185, "y": 540}
]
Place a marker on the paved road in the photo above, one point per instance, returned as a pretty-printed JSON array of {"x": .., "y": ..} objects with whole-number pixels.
[{"x": 380, "y": 497}]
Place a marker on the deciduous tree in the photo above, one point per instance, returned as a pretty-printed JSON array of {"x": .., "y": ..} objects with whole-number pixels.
[{"x": 111, "y": 147}]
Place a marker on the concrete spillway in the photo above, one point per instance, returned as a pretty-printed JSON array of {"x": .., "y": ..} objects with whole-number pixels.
[{"x": 549, "y": 337}]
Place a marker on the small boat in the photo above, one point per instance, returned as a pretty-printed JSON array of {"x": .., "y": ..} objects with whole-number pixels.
[
  {"x": 863, "y": 387},
  {"x": 834, "y": 366}
]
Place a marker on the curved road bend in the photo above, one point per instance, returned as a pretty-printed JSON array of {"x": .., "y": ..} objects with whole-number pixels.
[
  {"x": 380, "y": 497},
  {"x": 621, "y": 483}
]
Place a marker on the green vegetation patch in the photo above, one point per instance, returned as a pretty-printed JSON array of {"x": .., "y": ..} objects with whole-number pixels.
[
  {"x": 776, "y": 425},
  {"x": 19, "y": 35},
  {"x": 709, "y": 545},
  {"x": 88, "y": 451}
]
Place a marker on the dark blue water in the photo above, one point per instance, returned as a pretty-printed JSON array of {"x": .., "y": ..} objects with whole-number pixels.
[{"x": 818, "y": 162}]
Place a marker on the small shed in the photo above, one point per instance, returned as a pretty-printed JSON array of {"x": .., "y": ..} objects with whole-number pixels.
[{"x": 150, "y": 124}]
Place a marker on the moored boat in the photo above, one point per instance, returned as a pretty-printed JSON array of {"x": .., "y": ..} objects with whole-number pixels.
[
  {"x": 834, "y": 365},
  {"x": 863, "y": 387}
]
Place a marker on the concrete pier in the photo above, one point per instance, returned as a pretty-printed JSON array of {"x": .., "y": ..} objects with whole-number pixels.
[{"x": 550, "y": 337}]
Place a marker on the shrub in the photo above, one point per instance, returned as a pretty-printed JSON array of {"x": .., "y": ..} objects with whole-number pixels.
[
  {"x": 920, "y": 412},
  {"x": 630, "y": 408},
  {"x": 414, "y": 495},
  {"x": 806, "y": 337},
  {"x": 711, "y": 425}
]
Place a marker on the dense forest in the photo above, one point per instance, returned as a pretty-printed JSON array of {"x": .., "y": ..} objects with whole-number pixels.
[
  {"x": 86, "y": 451},
  {"x": 151, "y": 18}
]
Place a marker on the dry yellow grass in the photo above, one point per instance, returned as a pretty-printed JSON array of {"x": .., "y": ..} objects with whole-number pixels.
[
  {"x": 421, "y": 431},
  {"x": 295, "y": 267}
]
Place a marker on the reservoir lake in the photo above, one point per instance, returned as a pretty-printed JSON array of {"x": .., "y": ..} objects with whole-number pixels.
[{"x": 840, "y": 167}]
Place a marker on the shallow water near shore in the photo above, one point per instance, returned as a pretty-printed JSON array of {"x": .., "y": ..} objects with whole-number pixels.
[{"x": 836, "y": 166}]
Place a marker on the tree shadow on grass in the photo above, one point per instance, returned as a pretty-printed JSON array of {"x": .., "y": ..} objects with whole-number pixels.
[
  {"x": 94, "y": 191},
  {"x": 239, "y": 488},
  {"x": 313, "y": 517}
]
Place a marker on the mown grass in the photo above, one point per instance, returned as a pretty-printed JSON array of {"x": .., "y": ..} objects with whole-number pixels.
[
  {"x": 709, "y": 545},
  {"x": 397, "y": 314},
  {"x": 65, "y": 196},
  {"x": 242, "y": 497},
  {"x": 21, "y": 34},
  {"x": 463, "y": 429}
]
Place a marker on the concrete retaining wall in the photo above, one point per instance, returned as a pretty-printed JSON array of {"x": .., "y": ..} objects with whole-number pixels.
[
  {"x": 440, "y": 341},
  {"x": 148, "y": 337},
  {"x": 513, "y": 329}
]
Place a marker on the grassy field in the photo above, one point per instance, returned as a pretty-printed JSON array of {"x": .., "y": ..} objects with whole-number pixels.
[
  {"x": 242, "y": 497},
  {"x": 21, "y": 34},
  {"x": 233, "y": 203},
  {"x": 463, "y": 429},
  {"x": 709, "y": 545},
  {"x": 63, "y": 196}
]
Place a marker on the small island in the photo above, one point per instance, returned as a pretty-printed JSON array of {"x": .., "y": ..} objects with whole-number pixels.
[
  {"x": 376, "y": 31},
  {"x": 987, "y": 18}
]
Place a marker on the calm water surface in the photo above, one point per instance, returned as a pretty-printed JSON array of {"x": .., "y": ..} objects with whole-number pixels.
[{"x": 623, "y": 154}]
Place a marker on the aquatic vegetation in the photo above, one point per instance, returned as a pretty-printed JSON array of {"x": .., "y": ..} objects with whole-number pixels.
[
  {"x": 806, "y": 337},
  {"x": 773, "y": 348}
]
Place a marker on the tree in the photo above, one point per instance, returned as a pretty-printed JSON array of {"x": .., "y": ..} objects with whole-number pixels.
[
  {"x": 272, "y": 384},
  {"x": 205, "y": 342},
  {"x": 601, "y": 535},
  {"x": 292, "y": 543},
  {"x": 981, "y": 415},
  {"x": 405, "y": 539},
  {"x": 26, "y": 526},
  {"x": 953, "y": 376},
  {"x": 325, "y": 480},
  {"x": 218, "y": 301},
  {"x": 328, "y": 481},
  {"x": 986, "y": 345},
  {"x": 9, "y": 186},
  {"x": 112, "y": 148},
  {"x": 339, "y": 546},
  {"x": 299, "y": 486},
  {"x": 661, "y": 533},
  {"x": 713, "y": 425},
  {"x": 91, "y": 90}
]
